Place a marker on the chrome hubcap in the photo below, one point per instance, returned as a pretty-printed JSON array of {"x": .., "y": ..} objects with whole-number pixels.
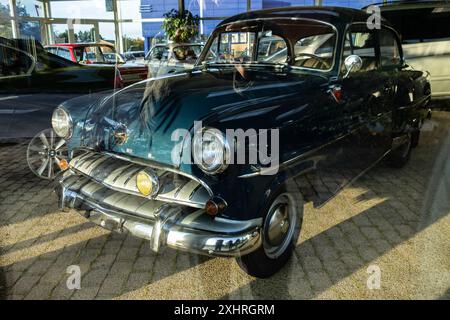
[
  {"x": 44, "y": 153},
  {"x": 280, "y": 224}
]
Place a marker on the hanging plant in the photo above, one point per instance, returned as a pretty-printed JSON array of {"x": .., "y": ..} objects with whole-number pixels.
[{"x": 180, "y": 27}]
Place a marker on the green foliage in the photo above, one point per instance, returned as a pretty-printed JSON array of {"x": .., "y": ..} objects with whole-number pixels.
[
  {"x": 133, "y": 44},
  {"x": 27, "y": 28},
  {"x": 180, "y": 26}
]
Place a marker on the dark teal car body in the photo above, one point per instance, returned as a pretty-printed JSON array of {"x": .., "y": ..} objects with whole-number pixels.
[{"x": 332, "y": 128}]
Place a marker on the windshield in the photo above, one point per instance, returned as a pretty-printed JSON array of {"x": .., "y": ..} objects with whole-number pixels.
[{"x": 302, "y": 44}]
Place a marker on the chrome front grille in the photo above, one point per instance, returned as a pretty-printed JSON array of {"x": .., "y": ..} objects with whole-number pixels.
[{"x": 118, "y": 174}]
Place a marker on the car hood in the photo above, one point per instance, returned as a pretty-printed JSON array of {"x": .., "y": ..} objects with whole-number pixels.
[{"x": 152, "y": 113}]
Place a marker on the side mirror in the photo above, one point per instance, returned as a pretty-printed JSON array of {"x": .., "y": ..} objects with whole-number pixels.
[{"x": 352, "y": 63}]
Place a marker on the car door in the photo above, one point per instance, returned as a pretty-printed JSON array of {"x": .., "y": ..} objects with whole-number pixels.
[
  {"x": 15, "y": 71},
  {"x": 365, "y": 99}
]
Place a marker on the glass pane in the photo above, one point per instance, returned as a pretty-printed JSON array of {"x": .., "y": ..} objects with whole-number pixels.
[
  {"x": 30, "y": 8},
  {"x": 106, "y": 30},
  {"x": 30, "y": 29},
  {"x": 266, "y": 4},
  {"x": 60, "y": 33},
  {"x": 272, "y": 49},
  {"x": 85, "y": 9},
  {"x": 390, "y": 55},
  {"x": 132, "y": 36},
  {"x": 5, "y": 23},
  {"x": 13, "y": 62},
  {"x": 83, "y": 33},
  {"x": 316, "y": 51},
  {"x": 358, "y": 4}
]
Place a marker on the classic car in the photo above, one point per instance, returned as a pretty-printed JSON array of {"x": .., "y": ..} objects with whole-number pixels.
[
  {"x": 33, "y": 83},
  {"x": 135, "y": 56},
  {"x": 155, "y": 159},
  {"x": 426, "y": 48},
  {"x": 172, "y": 57},
  {"x": 100, "y": 54}
]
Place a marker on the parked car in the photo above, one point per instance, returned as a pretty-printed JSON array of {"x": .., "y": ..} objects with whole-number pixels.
[
  {"x": 135, "y": 56},
  {"x": 33, "y": 83},
  {"x": 174, "y": 57},
  {"x": 426, "y": 48},
  {"x": 337, "y": 110},
  {"x": 100, "y": 54}
]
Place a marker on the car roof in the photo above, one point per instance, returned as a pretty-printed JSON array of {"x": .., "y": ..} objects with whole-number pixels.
[
  {"x": 408, "y": 5},
  {"x": 332, "y": 15}
]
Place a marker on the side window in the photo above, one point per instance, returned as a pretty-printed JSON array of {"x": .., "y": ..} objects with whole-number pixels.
[
  {"x": 272, "y": 48},
  {"x": 360, "y": 41},
  {"x": 316, "y": 51},
  {"x": 64, "y": 53},
  {"x": 158, "y": 53},
  {"x": 389, "y": 49},
  {"x": 14, "y": 62}
]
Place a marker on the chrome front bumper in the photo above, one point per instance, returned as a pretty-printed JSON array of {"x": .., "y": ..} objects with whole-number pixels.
[{"x": 163, "y": 224}]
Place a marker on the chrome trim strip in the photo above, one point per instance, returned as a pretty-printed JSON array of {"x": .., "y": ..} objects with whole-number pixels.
[
  {"x": 158, "y": 197},
  {"x": 285, "y": 18},
  {"x": 154, "y": 165}
]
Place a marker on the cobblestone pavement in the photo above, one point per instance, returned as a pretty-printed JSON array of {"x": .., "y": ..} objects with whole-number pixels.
[{"x": 394, "y": 220}]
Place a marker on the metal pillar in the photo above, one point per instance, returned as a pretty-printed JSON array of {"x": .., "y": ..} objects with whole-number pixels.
[
  {"x": 48, "y": 26},
  {"x": 118, "y": 27},
  {"x": 14, "y": 20},
  {"x": 96, "y": 32},
  {"x": 181, "y": 6}
]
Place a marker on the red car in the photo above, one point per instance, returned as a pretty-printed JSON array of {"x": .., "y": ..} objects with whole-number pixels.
[{"x": 99, "y": 53}]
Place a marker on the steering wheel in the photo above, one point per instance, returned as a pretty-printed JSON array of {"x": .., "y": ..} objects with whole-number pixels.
[{"x": 316, "y": 57}]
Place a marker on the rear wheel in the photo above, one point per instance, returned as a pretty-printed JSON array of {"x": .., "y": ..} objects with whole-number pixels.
[
  {"x": 400, "y": 156},
  {"x": 281, "y": 229}
]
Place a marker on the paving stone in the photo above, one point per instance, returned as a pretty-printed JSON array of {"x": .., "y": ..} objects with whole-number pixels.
[{"x": 24, "y": 284}]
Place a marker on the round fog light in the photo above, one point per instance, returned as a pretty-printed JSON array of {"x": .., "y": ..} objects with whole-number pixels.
[{"x": 144, "y": 183}]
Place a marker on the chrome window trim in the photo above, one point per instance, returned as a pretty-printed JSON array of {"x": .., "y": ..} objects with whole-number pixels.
[
  {"x": 398, "y": 40},
  {"x": 30, "y": 70},
  {"x": 202, "y": 56}
]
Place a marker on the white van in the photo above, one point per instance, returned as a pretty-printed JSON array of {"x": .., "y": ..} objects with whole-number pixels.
[{"x": 425, "y": 31}]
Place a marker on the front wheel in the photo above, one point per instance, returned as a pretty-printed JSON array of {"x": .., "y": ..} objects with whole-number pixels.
[
  {"x": 281, "y": 229},
  {"x": 47, "y": 155}
]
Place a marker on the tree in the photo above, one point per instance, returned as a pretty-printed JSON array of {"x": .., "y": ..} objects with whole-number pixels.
[
  {"x": 133, "y": 44},
  {"x": 180, "y": 26},
  {"x": 27, "y": 28},
  {"x": 81, "y": 36}
]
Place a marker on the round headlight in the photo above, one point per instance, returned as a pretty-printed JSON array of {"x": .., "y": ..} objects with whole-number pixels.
[
  {"x": 211, "y": 151},
  {"x": 62, "y": 123}
]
